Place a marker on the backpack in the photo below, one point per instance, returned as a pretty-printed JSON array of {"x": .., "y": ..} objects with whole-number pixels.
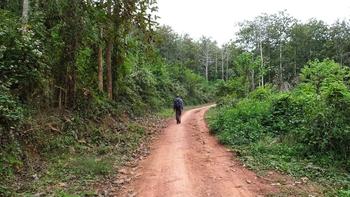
[{"x": 178, "y": 103}]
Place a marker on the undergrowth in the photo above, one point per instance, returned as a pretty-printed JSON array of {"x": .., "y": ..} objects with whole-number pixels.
[
  {"x": 63, "y": 154},
  {"x": 304, "y": 132}
]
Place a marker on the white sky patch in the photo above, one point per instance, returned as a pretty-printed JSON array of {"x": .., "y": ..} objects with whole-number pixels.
[{"x": 218, "y": 19}]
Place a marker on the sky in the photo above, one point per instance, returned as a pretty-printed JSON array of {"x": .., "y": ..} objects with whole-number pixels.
[{"x": 218, "y": 19}]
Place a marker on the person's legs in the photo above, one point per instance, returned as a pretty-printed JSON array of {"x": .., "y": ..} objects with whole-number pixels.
[{"x": 178, "y": 116}]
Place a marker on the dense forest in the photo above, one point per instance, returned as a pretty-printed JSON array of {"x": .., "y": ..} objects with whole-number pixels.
[{"x": 76, "y": 76}]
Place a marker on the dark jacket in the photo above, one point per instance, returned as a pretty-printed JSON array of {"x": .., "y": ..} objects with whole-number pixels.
[{"x": 178, "y": 104}]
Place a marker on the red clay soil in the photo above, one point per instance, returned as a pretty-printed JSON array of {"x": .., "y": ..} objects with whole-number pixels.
[{"x": 187, "y": 161}]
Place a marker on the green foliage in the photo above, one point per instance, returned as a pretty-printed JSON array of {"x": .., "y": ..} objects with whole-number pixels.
[
  {"x": 242, "y": 123},
  {"x": 286, "y": 114},
  {"x": 284, "y": 130},
  {"x": 246, "y": 63},
  {"x": 229, "y": 100},
  {"x": 11, "y": 116},
  {"x": 344, "y": 193},
  {"x": 322, "y": 73},
  {"x": 11, "y": 113},
  {"x": 10, "y": 161},
  {"x": 262, "y": 93},
  {"x": 235, "y": 86},
  {"x": 20, "y": 58},
  {"x": 152, "y": 85}
]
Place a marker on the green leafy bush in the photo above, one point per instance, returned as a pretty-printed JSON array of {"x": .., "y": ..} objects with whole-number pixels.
[
  {"x": 262, "y": 93},
  {"x": 236, "y": 86},
  {"x": 329, "y": 126},
  {"x": 20, "y": 58},
  {"x": 311, "y": 123},
  {"x": 242, "y": 123},
  {"x": 10, "y": 111},
  {"x": 286, "y": 115},
  {"x": 344, "y": 193}
]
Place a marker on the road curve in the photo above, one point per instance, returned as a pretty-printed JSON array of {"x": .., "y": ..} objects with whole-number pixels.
[{"x": 187, "y": 161}]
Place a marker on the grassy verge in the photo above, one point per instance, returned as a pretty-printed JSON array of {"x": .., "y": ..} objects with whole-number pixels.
[
  {"x": 65, "y": 155},
  {"x": 166, "y": 113}
]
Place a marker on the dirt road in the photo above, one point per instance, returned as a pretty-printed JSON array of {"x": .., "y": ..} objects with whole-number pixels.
[{"x": 187, "y": 161}]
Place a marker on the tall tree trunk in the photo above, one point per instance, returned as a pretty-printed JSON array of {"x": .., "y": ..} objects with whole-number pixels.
[
  {"x": 341, "y": 59},
  {"x": 71, "y": 85},
  {"x": 222, "y": 65},
  {"x": 72, "y": 39},
  {"x": 227, "y": 56},
  {"x": 100, "y": 69},
  {"x": 109, "y": 52},
  {"x": 261, "y": 63},
  {"x": 206, "y": 66},
  {"x": 25, "y": 11},
  {"x": 281, "y": 68},
  {"x": 109, "y": 69},
  {"x": 207, "y": 62},
  {"x": 100, "y": 59},
  {"x": 295, "y": 63},
  {"x": 216, "y": 65},
  {"x": 72, "y": 47},
  {"x": 253, "y": 80}
]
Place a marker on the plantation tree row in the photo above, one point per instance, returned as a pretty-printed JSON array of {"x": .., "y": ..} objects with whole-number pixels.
[
  {"x": 281, "y": 45},
  {"x": 203, "y": 56}
]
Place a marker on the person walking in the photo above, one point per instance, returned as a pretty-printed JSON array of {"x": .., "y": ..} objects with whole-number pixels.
[{"x": 178, "y": 107}]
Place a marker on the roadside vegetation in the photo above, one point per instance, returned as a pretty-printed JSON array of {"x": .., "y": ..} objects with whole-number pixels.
[
  {"x": 286, "y": 104},
  {"x": 303, "y": 132}
]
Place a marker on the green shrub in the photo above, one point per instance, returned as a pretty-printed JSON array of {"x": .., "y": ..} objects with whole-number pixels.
[
  {"x": 236, "y": 86},
  {"x": 262, "y": 93},
  {"x": 328, "y": 127},
  {"x": 344, "y": 193},
  {"x": 20, "y": 58},
  {"x": 286, "y": 115},
  {"x": 320, "y": 73},
  {"x": 229, "y": 101},
  {"x": 311, "y": 123},
  {"x": 10, "y": 111},
  {"x": 241, "y": 124}
]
